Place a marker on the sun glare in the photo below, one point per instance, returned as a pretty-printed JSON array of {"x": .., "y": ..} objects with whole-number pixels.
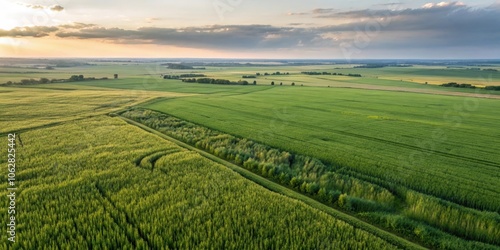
[
  {"x": 8, "y": 13},
  {"x": 7, "y": 24}
]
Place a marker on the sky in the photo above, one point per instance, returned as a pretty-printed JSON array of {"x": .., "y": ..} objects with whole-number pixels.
[{"x": 267, "y": 29}]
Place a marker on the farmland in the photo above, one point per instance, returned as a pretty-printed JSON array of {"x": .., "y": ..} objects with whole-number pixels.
[
  {"x": 90, "y": 184},
  {"x": 416, "y": 160}
]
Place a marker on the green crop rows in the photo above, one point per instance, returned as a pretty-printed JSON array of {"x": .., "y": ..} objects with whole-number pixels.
[{"x": 89, "y": 193}]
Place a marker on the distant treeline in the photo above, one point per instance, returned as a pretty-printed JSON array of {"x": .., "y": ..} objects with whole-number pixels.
[
  {"x": 458, "y": 85},
  {"x": 277, "y": 73},
  {"x": 73, "y": 78},
  {"x": 476, "y": 69},
  {"x": 179, "y": 66},
  {"x": 328, "y": 73},
  {"x": 217, "y": 81},
  {"x": 377, "y": 65},
  {"x": 469, "y": 86},
  {"x": 496, "y": 88},
  {"x": 182, "y": 76}
]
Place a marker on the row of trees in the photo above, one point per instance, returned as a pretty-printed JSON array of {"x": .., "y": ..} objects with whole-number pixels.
[
  {"x": 182, "y": 76},
  {"x": 457, "y": 85},
  {"x": 217, "y": 81},
  {"x": 273, "y": 74},
  {"x": 329, "y": 73},
  {"x": 281, "y": 83},
  {"x": 495, "y": 88},
  {"x": 469, "y": 86},
  {"x": 73, "y": 78}
]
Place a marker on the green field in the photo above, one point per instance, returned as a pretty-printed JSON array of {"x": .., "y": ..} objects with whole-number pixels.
[
  {"x": 88, "y": 193},
  {"x": 418, "y": 161},
  {"x": 392, "y": 136}
]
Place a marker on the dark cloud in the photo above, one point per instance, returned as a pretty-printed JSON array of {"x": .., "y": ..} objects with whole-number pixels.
[
  {"x": 430, "y": 8},
  {"x": 99, "y": 32},
  {"x": 215, "y": 37},
  {"x": 433, "y": 26},
  {"x": 77, "y": 25},
  {"x": 36, "y": 31},
  {"x": 57, "y": 8}
]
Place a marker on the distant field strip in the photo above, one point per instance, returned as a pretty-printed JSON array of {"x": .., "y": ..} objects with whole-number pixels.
[{"x": 25, "y": 108}]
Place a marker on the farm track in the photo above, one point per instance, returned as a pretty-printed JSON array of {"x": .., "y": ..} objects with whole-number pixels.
[
  {"x": 127, "y": 218},
  {"x": 153, "y": 157},
  {"x": 270, "y": 185}
]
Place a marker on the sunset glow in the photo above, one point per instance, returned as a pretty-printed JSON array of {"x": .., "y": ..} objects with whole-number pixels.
[{"x": 249, "y": 29}]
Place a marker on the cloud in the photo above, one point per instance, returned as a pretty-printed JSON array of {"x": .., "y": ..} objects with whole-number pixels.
[
  {"x": 57, "y": 8},
  {"x": 152, "y": 19},
  {"x": 36, "y": 31},
  {"x": 322, "y": 11},
  {"x": 299, "y": 24},
  {"x": 241, "y": 37},
  {"x": 429, "y": 8},
  {"x": 431, "y": 27},
  {"x": 297, "y": 13},
  {"x": 77, "y": 25},
  {"x": 35, "y": 7}
]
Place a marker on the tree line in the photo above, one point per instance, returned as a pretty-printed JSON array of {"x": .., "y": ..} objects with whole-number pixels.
[
  {"x": 329, "y": 73},
  {"x": 217, "y": 81},
  {"x": 73, "y": 78},
  {"x": 177, "y": 77}
]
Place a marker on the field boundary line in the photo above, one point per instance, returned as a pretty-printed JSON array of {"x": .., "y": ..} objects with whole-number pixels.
[
  {"x": 272, "y": 186},
  {"x": 128, "y": 219}
]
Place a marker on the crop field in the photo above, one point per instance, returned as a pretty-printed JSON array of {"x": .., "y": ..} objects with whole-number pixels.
[
  {"x": 101, "y": 183},
  {"x": 24, "y": 108},
  {"x": 142, "y": 162},
  {"x": 428, "y": 136}
]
